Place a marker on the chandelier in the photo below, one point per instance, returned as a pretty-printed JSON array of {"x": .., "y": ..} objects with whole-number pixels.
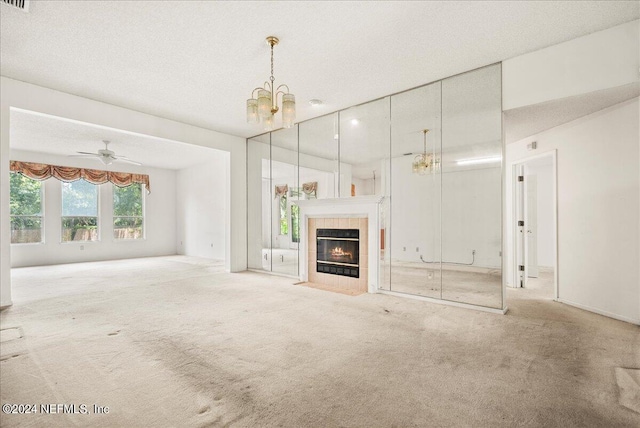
[
  {"x": 425, "y": 162},
  {"x": 265, "y": 106}
]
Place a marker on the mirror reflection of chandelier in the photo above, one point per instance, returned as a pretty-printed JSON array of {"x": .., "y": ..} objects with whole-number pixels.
[
  {"x": 425, "y": 162},
  {"x": 265, "y": 106}
]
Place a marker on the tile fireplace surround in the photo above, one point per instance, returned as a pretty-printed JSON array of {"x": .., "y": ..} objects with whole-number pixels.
[{"x": 360, "y": 213}]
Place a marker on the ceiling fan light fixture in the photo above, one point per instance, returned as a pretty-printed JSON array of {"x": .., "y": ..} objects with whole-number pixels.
[{"x": 107, "y": 160}]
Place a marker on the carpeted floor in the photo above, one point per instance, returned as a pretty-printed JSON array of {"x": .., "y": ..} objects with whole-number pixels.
[{"x": 175, "y": 341}]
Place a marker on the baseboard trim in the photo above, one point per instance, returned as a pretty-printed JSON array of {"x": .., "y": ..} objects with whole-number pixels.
[
  {"x": 445, "y": 302},
  {"x": 5, "y": 305},
  {"x": 599, "y": 312}
]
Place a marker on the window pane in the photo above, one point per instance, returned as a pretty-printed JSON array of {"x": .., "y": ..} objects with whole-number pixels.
[
  {"x": 25, "y": 202},
  {"x": 26, "y": 229},
  {"x": 79, "y": 229},
  {"x": 25, "y": 195},
  {"x": 79, "y": 198},
  {"x": 128, "y": 211},
  {"x": 127, "y": 227},
  {"x": 127, "y": 201}
]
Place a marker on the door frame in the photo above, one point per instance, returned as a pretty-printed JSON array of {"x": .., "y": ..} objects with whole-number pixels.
[
  {"x": 532, "y": 235},
  {"x": 514, "y": 226}
]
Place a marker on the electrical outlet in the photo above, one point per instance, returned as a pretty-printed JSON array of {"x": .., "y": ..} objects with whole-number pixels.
[
  {"x": 404, "y": 248},
  {"x": 417, "y": 249},
  {"x": 211, "y": 245},
  {"x": 81, "y": 247}
]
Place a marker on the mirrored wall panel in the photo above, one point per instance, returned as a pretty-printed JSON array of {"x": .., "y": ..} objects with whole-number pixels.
[
  {"x": 416, "y": 150},
  {"x": 318, "y": 160},
  {"x": 472, "y": 188},
  {"x": 259, "y": 196},
  {"x": 364, "y": 149},
  {"x": 285, "y": 229}
]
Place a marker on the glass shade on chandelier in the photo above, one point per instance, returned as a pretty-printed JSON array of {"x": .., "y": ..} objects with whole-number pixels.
[
  {"x": 288, "y": 110},
  {"x": 264, "y": 103},
  {"x": 261, "y": 109},
  {"x": 252, "y": 111},
  {"x": 267, "y": 122}
]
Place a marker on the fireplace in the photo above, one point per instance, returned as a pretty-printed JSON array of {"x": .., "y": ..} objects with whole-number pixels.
[{"x": 338, "y": 252}]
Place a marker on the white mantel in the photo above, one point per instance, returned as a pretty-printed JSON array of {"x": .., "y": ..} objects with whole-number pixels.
[{"x": 354, "y": 207}]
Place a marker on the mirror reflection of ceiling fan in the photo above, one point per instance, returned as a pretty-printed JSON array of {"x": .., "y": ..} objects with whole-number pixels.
[{"x": 106, "y": 156}]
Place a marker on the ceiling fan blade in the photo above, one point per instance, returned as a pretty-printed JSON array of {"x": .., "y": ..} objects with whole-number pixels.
[
  {"x": 127, "y": 160},
  {"x": 88, "y": 153}
]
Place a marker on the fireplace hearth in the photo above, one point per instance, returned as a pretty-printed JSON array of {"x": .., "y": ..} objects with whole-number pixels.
[{"x": 338, "y": 252}]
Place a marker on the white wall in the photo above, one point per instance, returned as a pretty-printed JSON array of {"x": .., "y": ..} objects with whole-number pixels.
[
  {"x": 605, "y": 59},
  {"x": 201, "y": 203},
  {"x": 159, "y": 221},
  {"x": 598, "y": 208},
  {"x": 544, "y": 200},
  {"x": 26, "y": 96}
]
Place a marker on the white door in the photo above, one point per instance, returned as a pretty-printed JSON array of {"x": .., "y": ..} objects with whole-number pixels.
[{"x": 531, "y": 225}]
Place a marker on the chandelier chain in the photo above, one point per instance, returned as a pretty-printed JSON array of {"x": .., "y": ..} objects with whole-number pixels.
[{"x": 272, "y": 78}]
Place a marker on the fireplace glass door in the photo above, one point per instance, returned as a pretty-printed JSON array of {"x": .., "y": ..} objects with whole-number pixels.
[{"x": 338, "y": 252}]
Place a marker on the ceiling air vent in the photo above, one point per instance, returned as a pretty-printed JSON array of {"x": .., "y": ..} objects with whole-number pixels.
[{"x": 20, "y": 4}]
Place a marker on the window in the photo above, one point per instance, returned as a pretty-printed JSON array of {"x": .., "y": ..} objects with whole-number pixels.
[
  {"x": 25, "y": 202},
  {"x": 79, "y": 211},
  {"x": 128, "y": 212}
]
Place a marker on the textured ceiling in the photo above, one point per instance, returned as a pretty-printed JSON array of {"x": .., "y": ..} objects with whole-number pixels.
[{"x": 197, "y": 62}]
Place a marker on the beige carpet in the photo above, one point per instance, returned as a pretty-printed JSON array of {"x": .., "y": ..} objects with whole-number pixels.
[{"x": 175, "y": 341}]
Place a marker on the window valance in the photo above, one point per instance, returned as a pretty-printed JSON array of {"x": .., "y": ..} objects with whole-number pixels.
[{"x": 41, "y": 171}]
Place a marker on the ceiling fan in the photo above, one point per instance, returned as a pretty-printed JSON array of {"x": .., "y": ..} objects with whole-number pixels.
[{"x": 106, "y": 156}]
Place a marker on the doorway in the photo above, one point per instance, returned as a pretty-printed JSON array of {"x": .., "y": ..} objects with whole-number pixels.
[{"x": 534, "y": 220}]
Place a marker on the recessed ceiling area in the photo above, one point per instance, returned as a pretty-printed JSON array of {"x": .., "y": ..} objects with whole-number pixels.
[
  {"x": 197, "y": 62},
  {"x": 41, "y": 133}
]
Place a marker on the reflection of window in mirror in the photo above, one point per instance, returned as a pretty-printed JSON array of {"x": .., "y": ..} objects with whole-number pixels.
[
  {"x": 295, "y": 223},
  {"x": 284, "y": 224},
  {"x": 281, "y": 192}
]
